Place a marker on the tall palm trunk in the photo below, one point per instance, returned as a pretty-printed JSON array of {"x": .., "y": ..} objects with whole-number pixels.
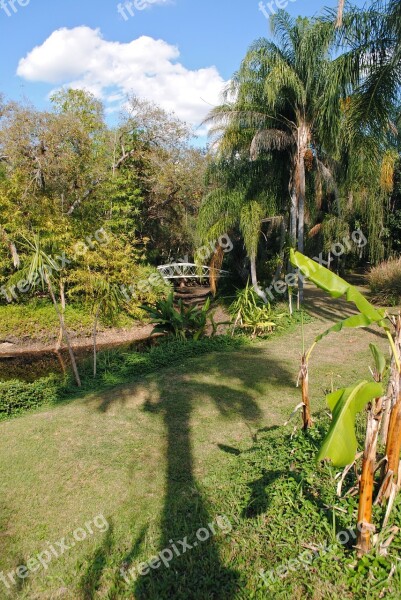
[
  {"x": 215, "y": 265},
  {"x": 293, "y": 215},
  {"x": 63, "y": 328},
  {"x": 283, "y": 233},
  {"x": 340, "y": 13},
  {"x": 303, "y": 137},
  {"x": 293, "y": 231},
  {"x": 254, "y": 278}
]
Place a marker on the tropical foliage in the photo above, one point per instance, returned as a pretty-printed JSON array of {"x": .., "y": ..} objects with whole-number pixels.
[
  {"x": 384, "y": 412},
  {"x": 182, "y": 322},
  {"x": 296, "y": 140}
]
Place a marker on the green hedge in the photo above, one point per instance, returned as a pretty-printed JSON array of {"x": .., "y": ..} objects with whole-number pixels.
[{"x": 114, "y": 367}]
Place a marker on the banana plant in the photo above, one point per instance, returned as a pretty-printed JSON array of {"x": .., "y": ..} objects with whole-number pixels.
[
  {"x": 329, "y": 282},
  {"x": 336, "y": 287},
  {"x": 366, "y": 483},
  {"x": 340, "y": 443}
]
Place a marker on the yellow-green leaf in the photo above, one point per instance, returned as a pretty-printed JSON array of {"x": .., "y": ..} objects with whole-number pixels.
[{"x": 340, "y": 443}]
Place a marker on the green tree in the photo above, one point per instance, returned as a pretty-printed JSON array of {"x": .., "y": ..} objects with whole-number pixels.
[
  {"x": 42, "y": 269},
  {"x": 244, "y": 194},
  {"x": 282, "y": 104}
]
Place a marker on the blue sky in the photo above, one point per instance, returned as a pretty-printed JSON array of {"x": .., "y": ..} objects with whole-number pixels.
[{"x": 176, "y": 52}]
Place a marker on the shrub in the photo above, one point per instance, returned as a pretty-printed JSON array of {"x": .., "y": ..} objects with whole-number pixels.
[
  {"x": 385, "y": 281},
  {"x": 18, "y": 396},
  {"x": 249, "y": 312},
  {"x": 182, "y": 322}
]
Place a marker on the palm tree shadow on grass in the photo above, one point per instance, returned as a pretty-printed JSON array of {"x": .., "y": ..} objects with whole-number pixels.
[
  {"x": 199, "y": 573},
  {"x": 90, "y": 580}
]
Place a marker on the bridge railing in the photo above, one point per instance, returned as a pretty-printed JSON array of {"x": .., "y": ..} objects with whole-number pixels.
[{"x": 188, "y": 271}]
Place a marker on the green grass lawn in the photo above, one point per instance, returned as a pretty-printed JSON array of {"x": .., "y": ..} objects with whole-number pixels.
[{"x": 166, "y": 455}]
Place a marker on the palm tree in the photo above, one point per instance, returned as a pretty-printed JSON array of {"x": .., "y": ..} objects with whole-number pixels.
[
  {"x": 281, "y": 93},
  {"x": 245, "y": 193},
  {"x": 370, "y": 64},
  {"x": 368, "y": 73},
  {"x": 42, "y": 269},
  {"x": 340, "y": 13}
]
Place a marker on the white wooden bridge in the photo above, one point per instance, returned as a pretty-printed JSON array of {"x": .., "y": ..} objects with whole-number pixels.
[{"x": 189, "y": 271}]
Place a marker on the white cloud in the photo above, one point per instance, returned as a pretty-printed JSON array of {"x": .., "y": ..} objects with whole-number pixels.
[{"x": 80, "y": 57}]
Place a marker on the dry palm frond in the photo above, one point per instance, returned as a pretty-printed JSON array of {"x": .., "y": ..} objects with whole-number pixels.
[
  {"x": 270, "y": 139},
  {"x": 387, "y": 171},
  {"x": 315, "y": 230}
]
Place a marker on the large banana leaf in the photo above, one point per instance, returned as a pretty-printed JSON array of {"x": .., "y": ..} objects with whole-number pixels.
[
  {"x": 335, "y": 286},
  {"x": 358, "y": 320},
  {"x": 340, "y": 443}
]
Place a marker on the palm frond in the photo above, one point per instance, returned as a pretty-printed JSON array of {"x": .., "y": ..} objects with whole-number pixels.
[{"x": 270, "y": 139}]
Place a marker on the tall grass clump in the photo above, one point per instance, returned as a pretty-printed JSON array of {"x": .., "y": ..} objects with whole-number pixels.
[{"x": 385, "y": 281}]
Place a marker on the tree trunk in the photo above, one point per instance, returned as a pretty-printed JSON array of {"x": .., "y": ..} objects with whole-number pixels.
[
  {"x": 290, "y": 309},
  {"x": 254, "y": 278},
  {"x": 293, "y": 217},
  {"x": 340, "y": 13},
  {"x": 303, "y": 136},
  {"x": 283, "y": 232},
  {"x": 12, "y": 247},
  {"x": 95, "y": 342},
  {"x": 63, "y": 305},
  {"x": 215, "y": 266},
  {"x": 65, "y": 333},
  {"x": 306, "y": 411},
  {"x": 293, "y": 233},
  {"x": 366, "y": 483}
]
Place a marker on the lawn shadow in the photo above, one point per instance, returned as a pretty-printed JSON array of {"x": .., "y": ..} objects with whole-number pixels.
[
  {"x": 197, "y": 570},
  {"x": 229, "y": 449},
  {"x": 90, "y": 581},
  {"x": 259, "y": 500}
]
